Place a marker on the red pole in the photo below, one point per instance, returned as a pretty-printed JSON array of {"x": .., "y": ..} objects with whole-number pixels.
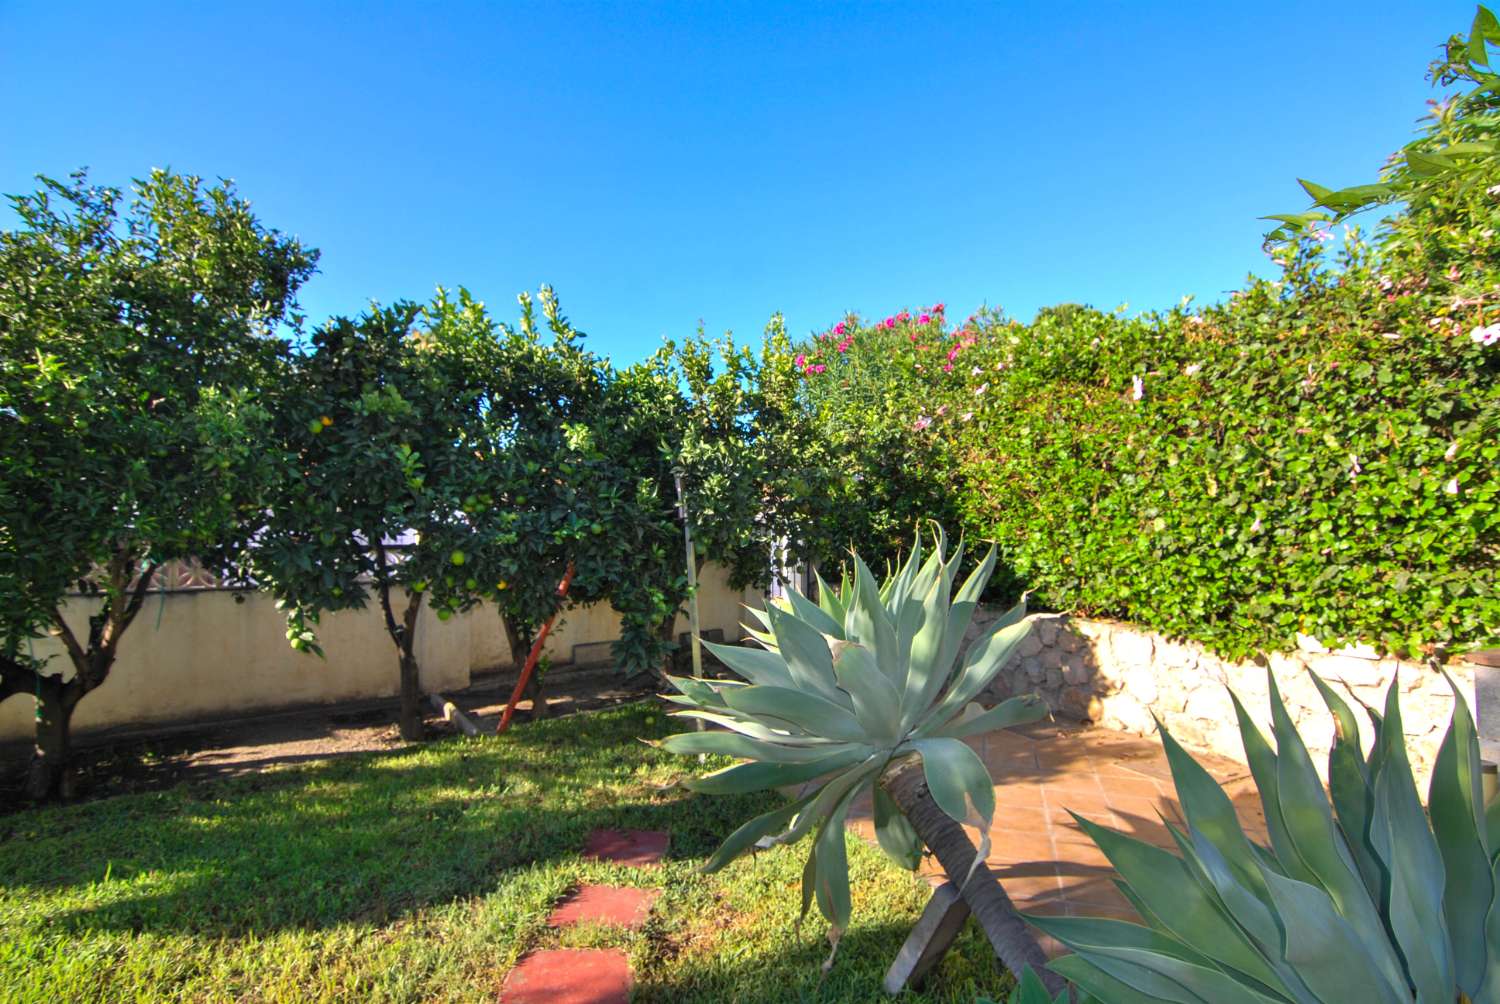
[{"x": 536, "y": 652}]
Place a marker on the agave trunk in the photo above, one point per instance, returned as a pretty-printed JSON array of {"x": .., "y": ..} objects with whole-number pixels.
[{"x": 1002, "y": 925}]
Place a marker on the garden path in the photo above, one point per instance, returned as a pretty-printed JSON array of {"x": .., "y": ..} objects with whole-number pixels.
[{"x": 1045, "y": 861}]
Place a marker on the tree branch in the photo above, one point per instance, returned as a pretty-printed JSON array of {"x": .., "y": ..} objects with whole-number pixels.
[
  {"x": 383, "y": 587},
  {"x": 75, "y": 651}
]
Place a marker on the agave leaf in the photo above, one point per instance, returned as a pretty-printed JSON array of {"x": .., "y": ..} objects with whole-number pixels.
[
  {"x": 1148, "y": 961},
  {"x": 926, "y": 677},
  {"x": 897, "y": 837},
  {"x": 1400, "y": 834},
  {"x": 1099, "y": 984},
  {"x": 832, "y": 869},
  {"x": 697, "y": 691},
  {"x": 1455, "y": 804},
  {"x": 1327, "y": 952},
  {"x": 744, "y": 838},
  {"x": 868, "y": 624},
  {"x": 1210, "y": 812},
  {"x": 961, "y": 614},
  {"x": 1262, "y": 761},
  {"x": 974, "y": 720},
  {"x": 808, "y": 611},
  {"x": 985, "y": 658},
  {"x": 1489, "y": 989},
  {"x": 956, "y": 777},
  {"x": 809, "y": 881},
  {"x": 742, "y": 746},
  {"x": 756, "y": 776},
  {"x": 760, "y": 614},
  {"x": 763, "y": 637},
  {"x": 830, "y": 601},
  {"x": 808, "y": 658},
  {"x": 755, "y": 729},
  {"x": 1171, "y": 893},
  {"x": 827, "y": 797},
  {"x": 801, "y": 708},
  {"x": 756, "y": 665},
  {"x": 877, "y": 705},
  {"x": 1309, "y": 825},
  {"x": 1349, "y": 787}
]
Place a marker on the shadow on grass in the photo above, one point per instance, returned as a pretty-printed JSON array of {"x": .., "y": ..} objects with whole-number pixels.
[{"x": 365, "y": 838}]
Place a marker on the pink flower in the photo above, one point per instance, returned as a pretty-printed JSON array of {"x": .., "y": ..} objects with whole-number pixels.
[
  {"x": 942, "y": 409},
  {"x": 937, "y": 308},
  {"x": 981, "y": 389},
  {"x": 890, "y": 322},
  {"x": 953, "y": 353},
  {"x": 966, "y": 416},
  {"x": 905, "y": 315},
  {"x": 1486, "y": 336},
  {"x": 921, "y": 423},
  {"x": 839, "y": 328},
  {"x": 801, "y": 360},
  {"x": 947, "y": 367},
  {"x": 817, "y": 369},
  {"x": 924, "y": 318}
]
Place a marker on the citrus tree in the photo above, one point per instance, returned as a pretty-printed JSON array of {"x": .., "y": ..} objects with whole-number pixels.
[
  {"x": 137, "y": 335},
  {"x": 379, "y": 475}
]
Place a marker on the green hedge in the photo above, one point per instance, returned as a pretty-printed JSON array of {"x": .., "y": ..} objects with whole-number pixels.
[{"x": 1316, "y": 455}]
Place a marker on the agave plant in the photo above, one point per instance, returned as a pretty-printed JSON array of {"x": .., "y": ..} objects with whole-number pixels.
[
  {"x": 848, "y": 693},
  {"x": 1361, "y": 895}
]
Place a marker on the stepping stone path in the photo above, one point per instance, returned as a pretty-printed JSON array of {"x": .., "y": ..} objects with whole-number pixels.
[{"x": 595, "y": 975}]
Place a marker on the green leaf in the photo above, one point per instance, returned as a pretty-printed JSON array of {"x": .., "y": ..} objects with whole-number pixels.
[
  {"x": 744, "y": 747},
  {"x": 1172, "y": 894},
  {"x": 1455, "y": 804},
  {"x": 746, "y": 836},
  {"x": 757, "y": 776},
  {"x": 808, "y": 658},
  {"x": 830, "y": 602},
  {"x": 956, "y": 777},
  {"x": 876, "y": 703},
  {"x": 1349, "y": 786},
  {"x": 767, "y": 669},
  {"x": 868, "y": 624},
  {"x": 814, "y": 615},
  {"x": 984, "y": 660},
  {"x": 897, "y": 837},
  {"x": 1099, "y": 984},
  {"x": 806, "y": 710},
  {"x": 1400, "y": 834},
  {"x": 832, "y": 878},
  {"x": 974, "y": 720}
]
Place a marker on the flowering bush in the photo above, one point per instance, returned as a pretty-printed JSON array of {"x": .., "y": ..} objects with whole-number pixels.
[{"x": 1317, "y": 455}]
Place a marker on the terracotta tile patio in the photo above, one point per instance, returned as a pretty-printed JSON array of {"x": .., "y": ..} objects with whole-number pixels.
[{"x": 1041, "y": 856}]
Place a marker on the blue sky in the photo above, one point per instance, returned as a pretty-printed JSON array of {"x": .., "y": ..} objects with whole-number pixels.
[{"x": 665, "y": 163}]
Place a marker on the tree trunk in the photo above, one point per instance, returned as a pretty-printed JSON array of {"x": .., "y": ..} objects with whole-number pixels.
[
  {"x": 539, "y": 708},
  {"x": 51, "y": 772},
  {"x": 520, "y": 651},
  {"x": 411, "y": 683},
  {"x": 1008, "y": 934}
]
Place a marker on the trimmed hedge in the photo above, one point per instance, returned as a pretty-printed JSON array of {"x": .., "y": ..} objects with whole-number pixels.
[{"x": 1315, "y": 456}]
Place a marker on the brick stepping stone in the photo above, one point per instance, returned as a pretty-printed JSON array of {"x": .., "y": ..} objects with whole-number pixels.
[
  {"x": 569, "y": 976},
  {"x": 637, "y": 848},
  {"x": 616, "y": 906}
]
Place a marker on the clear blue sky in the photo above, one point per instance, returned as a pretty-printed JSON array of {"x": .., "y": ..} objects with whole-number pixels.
[{"x": 665, "y": 163}]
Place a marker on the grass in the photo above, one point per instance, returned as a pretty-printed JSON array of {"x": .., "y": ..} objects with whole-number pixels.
[{"x": 423, "y": 875}]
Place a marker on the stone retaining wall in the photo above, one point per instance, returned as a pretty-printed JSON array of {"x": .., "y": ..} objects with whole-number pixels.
[{"x": 1117, "y": 676}]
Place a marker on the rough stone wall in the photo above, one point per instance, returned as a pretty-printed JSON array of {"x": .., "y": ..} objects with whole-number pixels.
[{"x": 1119, "y": 676}]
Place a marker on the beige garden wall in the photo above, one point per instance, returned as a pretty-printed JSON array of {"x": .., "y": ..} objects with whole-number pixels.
[
  {"x": 204, "y": 654},
  {"x": 1119, "y": 676}
]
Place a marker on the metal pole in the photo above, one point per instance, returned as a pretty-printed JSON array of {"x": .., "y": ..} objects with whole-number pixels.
[{"x": 692, "y": 572}]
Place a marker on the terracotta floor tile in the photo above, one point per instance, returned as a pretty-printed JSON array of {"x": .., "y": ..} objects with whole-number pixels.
[
  {"x": 569, "y": 976},
  {"x": 636, "y": 848},
  {"x": 616, "y": 906}
]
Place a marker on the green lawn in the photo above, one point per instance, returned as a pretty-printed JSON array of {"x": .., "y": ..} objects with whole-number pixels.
[{"x": 423, "y": 876}]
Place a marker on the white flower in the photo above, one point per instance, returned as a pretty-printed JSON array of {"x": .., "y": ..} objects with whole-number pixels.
[
  {"x": 1354, "y": 467},
  {"x": 1486, "y": 336},
  {"x": 981, "y": 389},
  {"x": 1191, "y": 369},
  {"x": 975, "y": 371},
  {"x": 1452, "y": 450},
  {"x": 1451, "y": 487},
  {"x": 1137, "y": 388},
  {"x": 1493, "y": 190},
  {"x": 966, "y": 416},
  {"x": 1255, "y": 527}
]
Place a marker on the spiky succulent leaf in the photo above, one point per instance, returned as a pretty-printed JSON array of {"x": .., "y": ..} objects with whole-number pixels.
[
  {"x": 866, "y": 676},
  {"x": 1297, "y": 922}
]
